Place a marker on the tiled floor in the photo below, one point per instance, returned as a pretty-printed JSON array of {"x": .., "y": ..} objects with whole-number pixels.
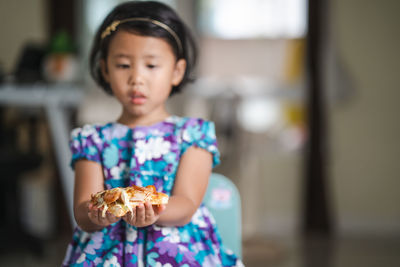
[{"x": 350, "y": 252}]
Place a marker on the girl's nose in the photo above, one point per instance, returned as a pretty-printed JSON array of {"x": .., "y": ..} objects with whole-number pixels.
[{"x": 135, "y": 76}]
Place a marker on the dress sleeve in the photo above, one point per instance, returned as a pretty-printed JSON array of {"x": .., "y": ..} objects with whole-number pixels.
[
  {"x": 200, "y": 133},
  {"x": 85, "y": 144}
]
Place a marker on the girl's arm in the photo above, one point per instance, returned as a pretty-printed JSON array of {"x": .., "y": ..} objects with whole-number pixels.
[
  {"x": 89, "y": 180},
  {"x": 190, "y": 186}
]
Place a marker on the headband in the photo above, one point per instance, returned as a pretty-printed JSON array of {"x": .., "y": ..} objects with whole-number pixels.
[{"x": 113, "y": 27}]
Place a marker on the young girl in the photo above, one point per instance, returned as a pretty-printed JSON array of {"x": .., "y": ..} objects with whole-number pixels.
[{"x": 142, "y": 54}]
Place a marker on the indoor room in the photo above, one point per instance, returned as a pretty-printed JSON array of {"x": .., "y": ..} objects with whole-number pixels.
[{"x": 303, "y": 95}]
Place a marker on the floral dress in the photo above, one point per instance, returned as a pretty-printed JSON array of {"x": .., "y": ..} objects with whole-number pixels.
[{"x": 147, "y": 155}]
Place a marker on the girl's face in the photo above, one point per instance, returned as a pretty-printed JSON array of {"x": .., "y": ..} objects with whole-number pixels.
[{"x": 141, "y": 71}]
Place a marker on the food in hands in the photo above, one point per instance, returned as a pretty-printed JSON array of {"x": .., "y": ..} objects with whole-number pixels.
[{"x": 121, "y": 200}]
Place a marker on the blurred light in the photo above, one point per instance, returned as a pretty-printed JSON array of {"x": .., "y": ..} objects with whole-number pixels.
[
  {"x": 236, "y": 19},
  {"x": 258, "y": 114}
]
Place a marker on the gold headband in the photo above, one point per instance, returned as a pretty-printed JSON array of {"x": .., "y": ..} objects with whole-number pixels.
[{"x": 113, "y": 26}]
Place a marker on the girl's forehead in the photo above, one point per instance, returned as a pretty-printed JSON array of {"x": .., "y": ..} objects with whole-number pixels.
[{"x": 125, "y": 42}]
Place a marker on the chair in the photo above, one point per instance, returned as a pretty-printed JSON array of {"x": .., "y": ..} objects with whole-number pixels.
[{"x": 223, "y": 200}]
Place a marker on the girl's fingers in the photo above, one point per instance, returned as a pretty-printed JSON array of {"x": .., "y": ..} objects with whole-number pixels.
[
  {"x": 110, "y": 217},
  {"x": 96, "y": 216},
  {"x": 143, "y": 215},
  {"x": 130, "y": 217},
  {"x": 149, "y": 211},
  {"x": 160, "y": 208},
  {"x": 99, "y": 216},
  {"x": 140, "y": 213}
]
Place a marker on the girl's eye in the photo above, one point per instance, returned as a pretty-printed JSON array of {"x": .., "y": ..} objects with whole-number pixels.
[
  {"x": 151, "y": 66},
  {"x": 123, "y": 66}
]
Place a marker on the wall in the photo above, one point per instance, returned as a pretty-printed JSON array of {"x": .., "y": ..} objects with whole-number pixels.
[
  {"x": 364, "y": 129},
  {"x": 20, "y": 21},
  {"x": 230, "y": 58}
]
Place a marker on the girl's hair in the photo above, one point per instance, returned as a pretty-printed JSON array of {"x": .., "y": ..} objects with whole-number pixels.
[{"x": 149, "y": 10}]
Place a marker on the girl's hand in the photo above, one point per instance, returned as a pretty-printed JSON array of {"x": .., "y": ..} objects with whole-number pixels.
[
  {"x": 96, "y": 217},
  {"x": 144, "y": 215}
]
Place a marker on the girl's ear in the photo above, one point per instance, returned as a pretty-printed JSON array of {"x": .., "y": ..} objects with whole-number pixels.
[
  {"x": 104, "y": 70},
  {"x": 179, "y": 72}
]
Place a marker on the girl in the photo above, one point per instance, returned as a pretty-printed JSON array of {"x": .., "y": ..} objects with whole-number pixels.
[{"x": 142, "y": 54}]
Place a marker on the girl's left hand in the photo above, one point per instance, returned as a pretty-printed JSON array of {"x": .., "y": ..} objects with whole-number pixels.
[{"x": 144, "y": 215}]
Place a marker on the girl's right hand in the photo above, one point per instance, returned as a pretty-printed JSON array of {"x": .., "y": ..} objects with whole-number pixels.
[{"x": 96, "y": 216}]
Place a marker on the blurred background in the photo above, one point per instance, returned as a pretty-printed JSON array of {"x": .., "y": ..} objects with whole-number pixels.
[{"x": 304, "y": 96}]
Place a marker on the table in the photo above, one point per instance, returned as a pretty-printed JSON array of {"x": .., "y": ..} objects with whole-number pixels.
[{"x": 57, "y": 100}]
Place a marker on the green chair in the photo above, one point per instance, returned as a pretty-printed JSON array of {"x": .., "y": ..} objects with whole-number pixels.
[{"x": 223, "y": 200}]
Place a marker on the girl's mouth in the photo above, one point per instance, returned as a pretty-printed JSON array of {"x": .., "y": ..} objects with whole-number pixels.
[{"x": 138, "y": 99}]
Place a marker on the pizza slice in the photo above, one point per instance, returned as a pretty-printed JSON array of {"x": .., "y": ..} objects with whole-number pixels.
[{"x": 121, "y": 200}]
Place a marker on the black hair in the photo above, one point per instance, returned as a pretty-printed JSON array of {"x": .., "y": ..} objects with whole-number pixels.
[{"x": 151, "y": 10}]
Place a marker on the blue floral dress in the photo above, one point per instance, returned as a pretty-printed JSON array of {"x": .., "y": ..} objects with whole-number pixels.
[{"x": 147, "y": 156}]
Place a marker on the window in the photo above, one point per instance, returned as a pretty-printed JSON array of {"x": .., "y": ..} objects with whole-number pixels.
[{"x": 242, "y": 19}]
